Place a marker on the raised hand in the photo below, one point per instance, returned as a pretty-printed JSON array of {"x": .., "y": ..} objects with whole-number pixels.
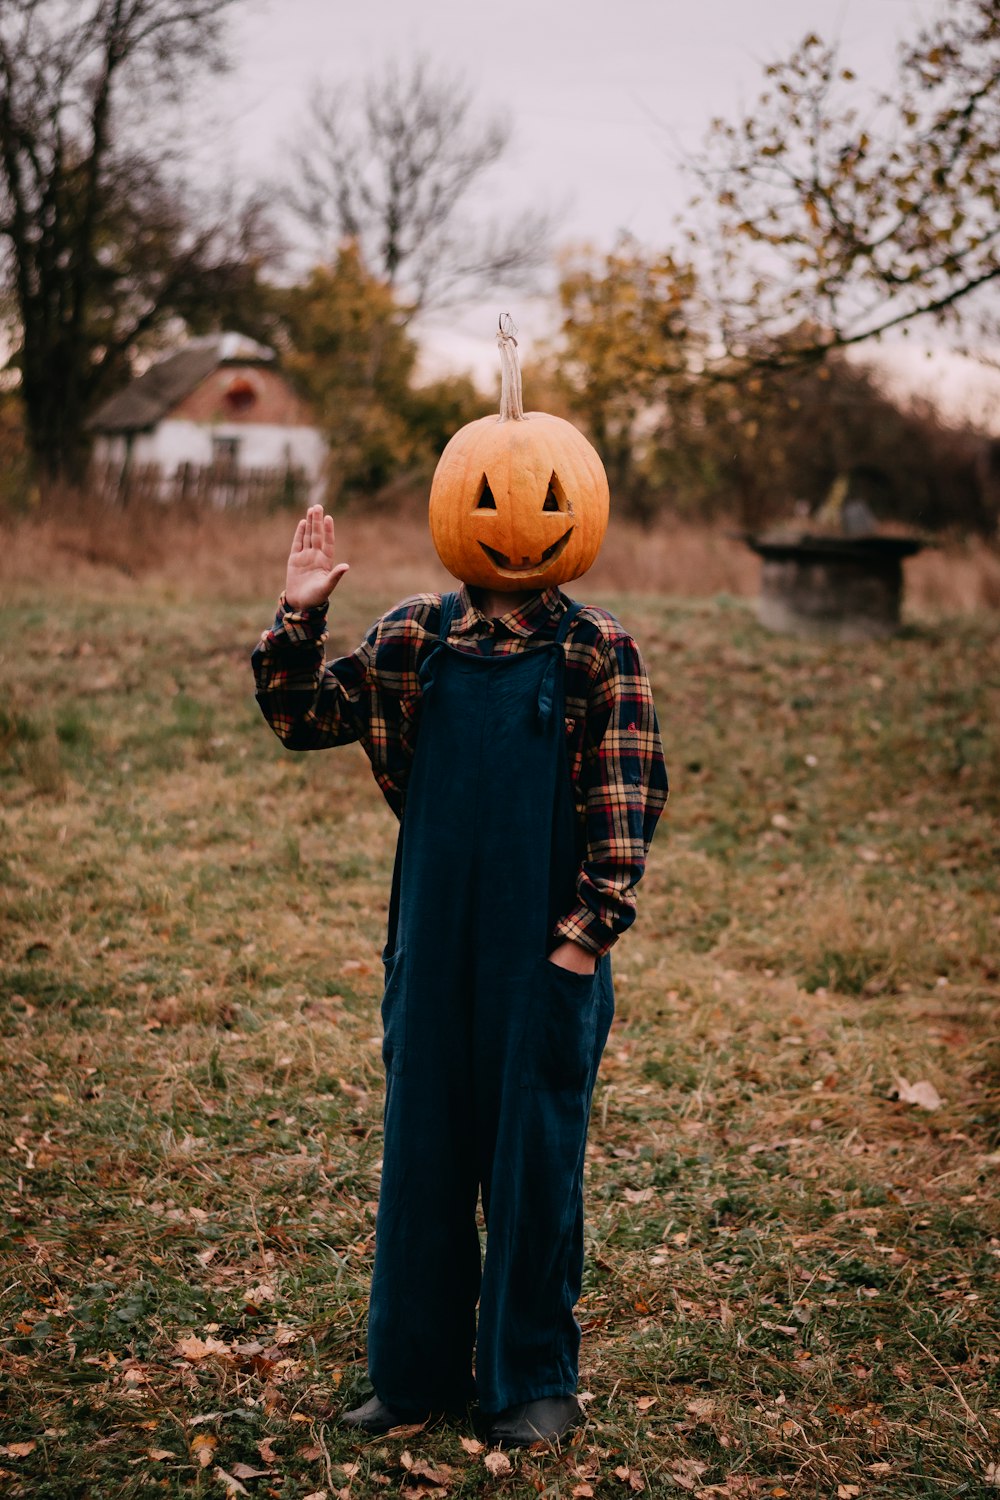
[{"x": 312, "y": 574}]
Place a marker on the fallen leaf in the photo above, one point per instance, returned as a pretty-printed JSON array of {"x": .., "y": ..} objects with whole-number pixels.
[
  {"x": 701, "y": 1407},
  {"x": 244, "y": 1471},
  {"x": 638, "y": 1195},
  {"x": 316, "y": 1495},
  {"x": 497, "y": 1463},
  {"x": 160, "y": 1454},
  {"x": 204, "y": 1445},
  {"x": 256, "y": 1296},
  {"x": 194, "y": 1348},
  {"x": 233, "y": 1486},
  {"x": 472, "y": 1445},
  {"x": 582, "y": 1491},
  {"x": 442, "y": 1475},
  {"x": 923, "y": 1093},
  {"x": 847, "y": 1491},
  {"x": 645, "y": 1402},
  {"x": 687, "y": 1473},
  {"x": 18, "y": 1450}
]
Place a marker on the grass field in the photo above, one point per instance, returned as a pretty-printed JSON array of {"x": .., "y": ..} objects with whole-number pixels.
[{"x": 793, "y": 1278}]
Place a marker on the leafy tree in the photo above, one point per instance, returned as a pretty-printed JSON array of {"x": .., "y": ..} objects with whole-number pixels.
[
  {"x": 351, "y": 353},
  {"x": 98, "y": 243},
  {"x": 770, "y": 446},
  {"x": 394, "y": 164},
  {"x": 628, "y": 345},
  {"x": 435, "y": 411},
  {"x": 828, "y": 217},
  {"x": 753, "y": 445},
  {"x": 349, "y": 347}
]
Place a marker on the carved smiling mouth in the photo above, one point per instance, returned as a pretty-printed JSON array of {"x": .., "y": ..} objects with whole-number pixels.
[{"x": 503, "y": 564}]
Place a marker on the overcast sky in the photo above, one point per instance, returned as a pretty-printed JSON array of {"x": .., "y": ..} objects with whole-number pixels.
[{"x": 604, "y": 96}]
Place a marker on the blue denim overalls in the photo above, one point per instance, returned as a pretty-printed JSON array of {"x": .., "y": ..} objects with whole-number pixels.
[{"x": 490, "y": 1050}]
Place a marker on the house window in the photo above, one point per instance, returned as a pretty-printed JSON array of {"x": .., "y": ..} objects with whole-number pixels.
[
  {"x": 240, "y": 395},
  {"x": 225, "y": 452}
]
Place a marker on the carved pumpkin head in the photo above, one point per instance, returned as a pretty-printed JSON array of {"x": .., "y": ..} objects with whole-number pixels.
[{"x": 518, "y": 501}]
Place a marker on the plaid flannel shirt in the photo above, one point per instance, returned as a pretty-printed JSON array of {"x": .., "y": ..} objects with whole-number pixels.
[{"x": 373, "y": 696}]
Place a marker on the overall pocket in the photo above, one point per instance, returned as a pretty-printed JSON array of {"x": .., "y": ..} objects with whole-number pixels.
[
  {"x": 394, "y": 1011},
  {"x": 561, "y": 1030}
]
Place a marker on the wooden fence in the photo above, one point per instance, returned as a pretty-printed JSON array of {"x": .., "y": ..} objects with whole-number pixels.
[{"x": 198, "y": 486}]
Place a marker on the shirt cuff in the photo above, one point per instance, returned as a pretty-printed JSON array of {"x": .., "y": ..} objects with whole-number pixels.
[
  {"x": 581, "y": 926},
  {"x": 302, "y": 625}
]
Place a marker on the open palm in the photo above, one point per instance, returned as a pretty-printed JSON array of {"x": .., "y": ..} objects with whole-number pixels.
[{"x": 312, "y": 573}]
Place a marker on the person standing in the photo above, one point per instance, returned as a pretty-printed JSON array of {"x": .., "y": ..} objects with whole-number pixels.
[{"x": 513, "y": 733}]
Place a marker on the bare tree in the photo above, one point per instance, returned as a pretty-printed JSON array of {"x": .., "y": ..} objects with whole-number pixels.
[
  {"x": 97, "y": 242},
  {"x": 394, "y": 165},
  {"x": 829, "y": 216}
]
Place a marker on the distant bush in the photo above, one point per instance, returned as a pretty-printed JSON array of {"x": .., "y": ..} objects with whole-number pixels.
[
  {"x": 17, "y": 492},
  {"x": 351, "y": 351},
  {"x": 772, "y": 445}
]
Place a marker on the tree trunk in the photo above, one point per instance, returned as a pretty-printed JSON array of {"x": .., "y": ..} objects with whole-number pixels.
[{"x": 54, "y": 417}]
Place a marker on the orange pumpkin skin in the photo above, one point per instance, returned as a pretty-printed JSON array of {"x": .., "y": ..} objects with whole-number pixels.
[{"x": 550, "y": 503}]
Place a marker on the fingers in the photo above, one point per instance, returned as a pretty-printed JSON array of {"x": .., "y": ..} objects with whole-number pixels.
[
  {"x": 316, "y": 532},
  {"x": 334, "y": 577}
]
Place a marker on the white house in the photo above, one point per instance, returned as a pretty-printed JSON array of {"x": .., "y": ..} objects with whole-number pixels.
[{"x": 220, "y": 403}]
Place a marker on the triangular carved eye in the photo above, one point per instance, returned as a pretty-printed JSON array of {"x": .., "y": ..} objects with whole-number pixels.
[
  {"x": 486, "y": 500},
  {"x": 553, "y": 496}
]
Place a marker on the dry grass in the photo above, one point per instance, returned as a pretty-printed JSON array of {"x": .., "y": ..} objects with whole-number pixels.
[
  {"x": 240, "y": 556},
  {"x": 793, "y": 1275}
]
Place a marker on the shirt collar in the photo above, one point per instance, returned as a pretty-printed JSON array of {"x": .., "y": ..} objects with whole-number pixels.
[{"x": 529, "y": 619}]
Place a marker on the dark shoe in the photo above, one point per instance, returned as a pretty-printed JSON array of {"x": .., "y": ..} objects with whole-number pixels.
[
  {"x": 375, "y": 1418},
  {"x": 545, "y": 1421}
]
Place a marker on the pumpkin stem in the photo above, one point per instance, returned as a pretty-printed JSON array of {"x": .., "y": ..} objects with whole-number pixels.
[{"x": 511, "y": 407}]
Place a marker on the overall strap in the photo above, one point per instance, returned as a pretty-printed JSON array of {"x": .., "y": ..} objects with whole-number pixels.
[
  {"x": 553, "y": 676},
  {"x": 449, "y": 604},
  {"x": 574, "y": 608}
]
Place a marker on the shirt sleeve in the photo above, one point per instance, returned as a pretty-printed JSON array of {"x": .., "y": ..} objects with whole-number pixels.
[
  {"x": 311, "y": 703},
  {"x": 624, "y": 787}
]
